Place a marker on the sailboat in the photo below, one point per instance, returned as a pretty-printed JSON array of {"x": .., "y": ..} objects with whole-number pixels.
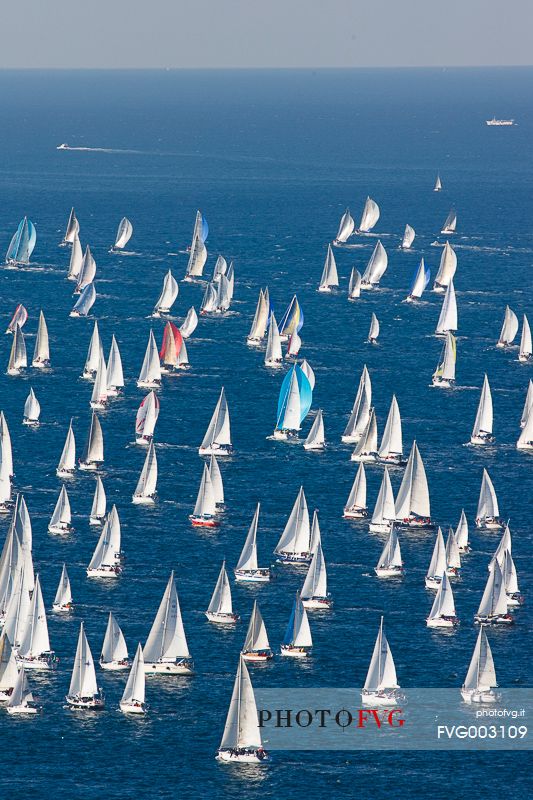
[
  {"x": 408, "y": 238},
  {"x": 124, "y": 234},
  {"x": 22, "y": 244},
  {"x": 294, "y": 545},
  {"x": 354, "y": 285},
  {"x": 204, "y": 514},
  {"x": 171, "y": 348},
  {"x": 438, "y": 564},
  {"x": 246, "y": 568},
  {"x": 189, "y": 324},
  {"x": 493, "y": 607},
  {"x": 217, "y": 439},
  {"x": 221, "y": 268},
  {"x": 62, "y": 516},
  {"x": 87, "y": 271},
  {"x": 220, "y": 608},
  {"x": 346, "y": 228},
  {"x": 146, "y": 489},
  {"x": 330, "y": 278},
  {"x": 76, "y": 260},
  {"x": 308, "y": 372},
  {"x": 444, "y": 375},
  {"x": 67, "y": 462},
  {"x": 480, "y": 679},
  {"x": 256, "y": 647},
  {"x": 5, "y": 445},
  {"x": 314, "y": 592},
  {"x": 526, "y": 350},
  {"x": 360, "y": 413},
  {"x": 412, "y": 501},
  {"x": 17, "y": 360},
  {"x": 297, "y": 641},
  {"x": 98, "y": 399},
  {"x": 482, "y": 430},
  {"x": 316, "y": 439},
  {"x": 63, "y": 597},
  {"x": 93, "y": 452},
  {"x": 367, "y": 446},
  {"x": 132, "y": 700},
  {"x": 32, "y": 410},
  {"x": 107, "y": 556},
  {"x": 488, "y": 512},
  {"x": 21, "y": 699},
  {"x": 85, "y": 302},
  {"x": 369, "y": 216},
  {"x": 20, "y": 317},
  {"x": 420, "y": 281},
  {"x": 115, "y": 374},
  {"x": 390, "y": 564},
  {"x": 293, "y": 346},
  {"x": 223, "y": 295},
  {"x": 216, "y": 481},
  {"x": 373, "y": 332},
  {"x": 146, "y": 419},
  {"x": 294, "y": 402},
  {"x": 241, "y": 740},
  {"x": 34, "y": 648},
  {"x": 198, "y": 250},
  {"x": 450, "y": 223},
  {"x": 168, "y": 295},
  {"x": 93, "y": 355},
  {"x": 8, "y": 668},
  {"x": 166, "y": 651},
  {"x": 528, "y": 405},
  {"x": 448, "y": 314},
  {"x": 260, "y": 321},
  {"x": 84, "y": 693},
  {"x": 150, "y": 375},
  {"x": 509, "y": 328},
  {"x": 376, "y": 267},
  {"x": 381, "y": 681},
  {"x": 273, "y": 353},
  {"x": 114, "y": 655},
  {"x": 510, "y": 579},
  {"x": 442, "y": 614},
  {"x": 292, "y": 320},
  {"x": 447, "y": 268},
  {"x": 390, "y": 450},
  {"x": 438, "y": 184},
  {"x": 356, "y": 507},
  {"x": 41, "y": 353},
  {"x": 461, "y": 534},
  {"x": 384, "y": 512},
  {"x": 525, "y": 440},
  {"x": 72, "y": 230}
]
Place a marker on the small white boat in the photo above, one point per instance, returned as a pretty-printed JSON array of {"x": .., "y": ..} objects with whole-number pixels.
[
  {"x": 73, "y": 226},
  {"x": 444, "y": 375},
  {"x": 448, "y": 315},
  {"x": 309, "y": 374},
  {"x": 146, "y": 419},
  {"x": 256, "y": 647},
  {"x": 217, "y": 439},
  {"x": 297, "y": 642},
  {"x": 412, "y": 501},
  {"x": 168, "y": 295},
  {"x": 482, "y": 430},
  {"x": 20, "y": 317},
  {"x": 220, "y": 609},
  {"x": 346, "y": 228},
  {"x": 384, "y": 512},
  {"x": 273, "y": 353},
  {"x": 247, "y": 568},
  {"x": 447, "y": 269},
  {"x": 509, "y": 328},
  {"x": 391, "y": 448},
  {"x": 99, "y": 504},
  {"x": 488, "y": 512},
  {"x": 316, "y": 439},
  {"x": 99, "y": 393},
  {"x": 76, "y": 260},
  {"x": 32, "y": 410},
  {"x": 115, "y": 374},
  {"x": 150, "y": 374},
  {"x": 114, "y": 655},
  {"x": 314, "y": 593},
  {"x": 62, "y": 516},
  {"x": 93, "y": 452},
  {"x": 408, "y": 238},
  {"x": 419, "y": 283},
  {"x": 525, "y": 353},
  {"x": 189, "y": 324},
  {"x": 22, "y": 244},
  {"x": 373, "y": 332},
  {"x": 209, "y": 300},
  {"x": 21, "y": 701},
  {"x": 166, "y": 651},
  {"x": 480, "y": 680},
  {"x": 8, "y": 668},
  {"x": 293, "y": 346},
  {"x": 241, "y": 740},
  {"x": 67, "y": 462},
  {"x": 360, "y": 413},
  {"x": 356, "y": 507},
  {"x": 133, "y": 697},
  {"x": 205, "y": 509},
  {"x": 34, "y": 650},
  {"x": 18, "y": 360},
  {"x": 493, "y": 608},
  {"x": 442, "y": 614},
  {"x": 438, "y": 564},
  {"x": 87, "y": 271},
  {"x": 84, "y": 693},
  {"x": 525, "y": 440},
  {"x": 390, "y": 564},
  {"x": 330, "y": 278},
  {"x": 354, "y": 285},
  {"x": 198, "y": 250},
  {"x": 367, "y": 446},
  {"x": 381, "y": 683},
  {"x": 85, "y": 302},
  {"x": 106, "y": 561},
  {"x": 63, "y": 597},
  {"x": 438, "y": 184},
  {"x": 369, "y": 216},
  {"x": 41, "y": 353},
  {"x": 146, "y": 489},
  {"x": 453, "y": 555},
  {"x": 376, "y": 267},
  {"x": 450, "y": 223},
  {"x": 294, "y": 545},
  {"x": 528, "y": 405},
  {"x": 461, "y": 534},
  {"x": 260, "y": 321},
  {"x": 124, "y": 234},
  {"x": 93, "y": 354}
]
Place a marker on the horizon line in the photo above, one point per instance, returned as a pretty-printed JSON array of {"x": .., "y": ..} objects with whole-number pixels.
[{"x": 260, "y": 68}]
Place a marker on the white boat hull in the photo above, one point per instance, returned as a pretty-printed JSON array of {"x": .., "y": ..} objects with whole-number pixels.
[
  {"x": 222, "y": 619},
  {"x": 88, "y": 466},
  {"x": 40, "y": 664},
  {"x": 355, "y": 513},
  {"x": 295, "y": 652},
  {"x": 323, "y": 603},
  {"x": 59, "y": 609},
  {"x": 481, "y": 440},
  {"x": 252, "y": 575},
  {"x": 149, "y": 384},
  {"x": 441, "y": 622},
  {"x": 85, "y": 703},
  {"x": 367, "y": 458},
  {"x": 65, "y": 473},
  {"x": 139, "y": 500},
  {"x": 168, "y": 668},
  {"x": 389, "y": 572},
  {"x": 96, "y": 521},
  {"x": 382, "y": 699},
  {"x": 433, "y": 583},
  {"x": 132, "y": 708},
  {"x": 59, "y": 528},
  {"x": 257, "y": 657},
  {"x": 528, "y": 446},
  {"x": 34, "y": 423},
  {"x": 285, "y": 436},
  {"x": 114, "y": 666},
  {"x": 215, "y": 451},
  {"x": 380, "y": 527},
  {"x": 249, "y": 757},
  {"x": 316, "y": 447},
  {"x": 273, "y": 364},
  {"x": 476, "y": 696},
  {"x": 113, "y": 572},
  {"x": 21, "y": 710}
]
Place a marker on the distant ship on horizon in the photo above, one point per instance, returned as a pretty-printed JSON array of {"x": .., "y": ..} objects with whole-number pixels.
[
  {"x": 63, "y": 146},
  {"x": 500, "y": 122}
]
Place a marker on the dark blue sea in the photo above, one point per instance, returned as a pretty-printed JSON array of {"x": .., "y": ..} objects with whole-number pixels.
[{"x": 272, "y": 159}]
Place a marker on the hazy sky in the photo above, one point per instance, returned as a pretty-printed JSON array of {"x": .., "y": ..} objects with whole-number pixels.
[{"x": 265, "y": 33}]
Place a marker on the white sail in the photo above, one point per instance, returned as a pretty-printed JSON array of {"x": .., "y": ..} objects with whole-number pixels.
[
  {"x": 413, "y": 494},
  {"x": 298, "y": 633},
  {"x": 23, "y": 528},
  {"x": 124, "y": 234},
  {"x": 369, "y": 216},
  {"x": 166, "y": 640},
  {"x": 32, "y": 408},
  {"x": 18, "y": 359},
  {"x": 450, "y": 223},
  {"x": 41, "y": 353},
  {"x": 443, "y": 604},
  {"x": 316, "y": 438},
  {"x": 525, "y": 440},
  {"x": 376, "y": 267},
  {"x": 147, "y": 483},
  {"x": 35, "y": 642},
  {"x": 146, "y": 418},
  {"x": 168, "y": 295},
  {"x": 73, "y": 228},
  {"x": 11, "y": 563},
  {"x": 62, "y": 515},
  {"x": 256, "y": 635},
  {"x": 391, "y": 556},
  {"x": 316, "y": 580},
  {"x": 115, "y": 375},
  {"x": 447, "y": 267},
  {"x": 528, "y": 405},
  {"x": 21, "y": 696},
  {"x": 295, "y": 538},
  {"x": 218, "y": 434},
  {"x": 248, "y": 557},
  {"x": 205, "y": 501},
  {"x": 354, "y": 286},
  {"x": 67, "y": 461},
  {"x": 453, "y": 555},
  {"x": 93, "y": 452},
  {"x": 382, "y": 671},
  {"x": 408, "y": 237},
  {"x": 293, "y": 347},
  {"x": 289, "y": 418},
  {"x": 99, "y": 392},
  {"x": 308, "y": 372},
  {"x": 221, "y": 267},
  {"x": 367, "y": 446},
  {"x": 83, "y": 680},
  {"x": 63, "y": 596},
  {"x": 273, "y": 354},
  {"x": 357, "y": 498},
  {"x": 419, "y": 283},
  {"x": 392, "y": 439},
  {"x": 509, "y": 328},
  {"x": 260, "y": 321},
  {"x": 448, "y": 314},
  {"x": 483, "y": 422},
  {"x": 114, "y": 647},
  {"x": 6, "y": 452},
  {"x": 216, "y": 481},
  {"x": 93, "y": 353},
  {"x": 487, "y": 506},
  {"x": 438, "y": 562},
  {"x": 189, "y": 324},
  {"x": 384, "y": 509},
  {"x": 346, "y": 228},
  {"x": 361, "y": 409},
  {"x": 85, "y": 302},
  {"x": 494, "y": 600},
  {"x": 76, "y": 260},
  {"x": 461, "y": 532},
  {"x": 526, "y": 349},
  {"x": 134, "y": 691},
  {"x": 329, "y": 277},
  {"x": 8, "y": 665},
  {"x": 438, "y": 184},
  {"x": 107, "y": 554},
  {"x": 220, "y": 602},
  {"x": 87, "y": 270},
  {"x": 150, "y": 374},
  {"x": 373, "y": 332},
  {"x": 445, "y": 371},
  {"x": 18, "y": 609},
  {"x": 242, "y": 725},
  {"x": 481, "y": 675}
]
